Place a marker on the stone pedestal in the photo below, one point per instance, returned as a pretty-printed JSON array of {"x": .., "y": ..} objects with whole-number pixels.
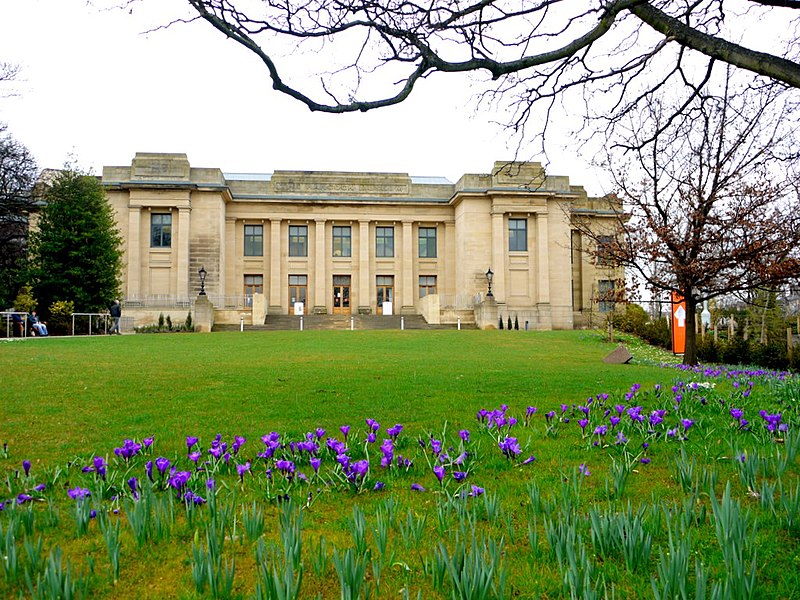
[
  {"x": 259, "y": 309},
  {"x": 486, "y": 313},
  {"x": 203, "y": 314}
]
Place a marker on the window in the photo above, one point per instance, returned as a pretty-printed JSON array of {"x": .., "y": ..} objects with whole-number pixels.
[
  {"x": 160, "y": 230},
  {"x": 253, "y": 284},
  {"x": 606, "y": 295},
  {"x": 604, "y": 246},
  {"x": 427, "y": 242},
  {"x": 254, "y": 240},
  {"x": 427, "y": 285},
  {"x": 341, "y": 241},
  {"x": 298, "y": 240},
  {"x": 384, "y": 242},
  {"x": 517, "y": 235}
]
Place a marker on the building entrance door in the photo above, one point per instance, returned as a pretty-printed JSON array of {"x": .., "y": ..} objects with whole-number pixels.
[
  {"x": 341, "y": 294},
  {"x": 298, "y": 293},
  {"x": 385, "y": 300}
]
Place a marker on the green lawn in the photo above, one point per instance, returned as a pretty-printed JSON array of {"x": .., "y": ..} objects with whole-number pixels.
[{"x": 545, "y": 527}]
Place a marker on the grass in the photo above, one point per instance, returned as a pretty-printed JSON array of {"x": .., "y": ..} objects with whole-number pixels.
[{"x": 541, "y": 529}]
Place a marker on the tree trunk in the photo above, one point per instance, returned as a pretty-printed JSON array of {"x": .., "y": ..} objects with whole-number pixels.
[{"x": 690, "y": 351}]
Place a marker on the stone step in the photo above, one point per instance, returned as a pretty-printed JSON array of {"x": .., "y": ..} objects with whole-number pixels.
[{"x": 341, "y": 322}]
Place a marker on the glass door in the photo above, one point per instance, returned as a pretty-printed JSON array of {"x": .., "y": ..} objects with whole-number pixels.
[
  {"x": 341, "y": 294},
  {"x": 298, "y": 292},
  {"x": 385, "y": 299}
]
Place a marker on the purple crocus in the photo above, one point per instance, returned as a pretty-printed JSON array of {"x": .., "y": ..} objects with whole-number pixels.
[
  {"x": 464, "y": 435},
  {"x": 345, "y": 429},
  {"x": 78, "y": 493},
  {"x": 686, "y": 423},
  {"x": 191, "y": 441},
  {"x": 315, "y": 463},
  {"x": 26, "y": 466},
  {"x": 148, "y": 441},
  {"x": 379, "y": 485},
  {"x": 529, "y": 460},
  {"x": 162, "y": 464},
  {"x": 148, "y": 467},
  {"x": 417, "y": 487},
  {"x": 40, "y": 488},
  {"x": 584, "y": 470},
  {"x": 459, "y": 475},
  {"x": 438, "y": 470},
  {"x": 510, "y": 447},
  {"x": 242, "y": 469},
  {"x": 477, "y": 491},
  {"x": 133, "y": 484}
]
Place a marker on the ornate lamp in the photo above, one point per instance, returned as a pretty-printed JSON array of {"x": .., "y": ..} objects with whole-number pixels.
[
  {"x": 489, "y": 277},
  {"x": 202, "y": 273}
]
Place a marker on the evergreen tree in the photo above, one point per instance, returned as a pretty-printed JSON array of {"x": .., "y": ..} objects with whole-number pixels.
[{"x": 76, "y": 249}]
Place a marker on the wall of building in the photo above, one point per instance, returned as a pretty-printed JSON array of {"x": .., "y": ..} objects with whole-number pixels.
[{"x": 550, "y": 282}]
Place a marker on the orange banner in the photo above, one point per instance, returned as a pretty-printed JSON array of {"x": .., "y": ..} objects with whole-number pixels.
[{"x": 678, "y": 324}]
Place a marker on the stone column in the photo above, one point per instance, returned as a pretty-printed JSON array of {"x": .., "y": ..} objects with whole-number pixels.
[
  {"x": 364, "y": 275},
  {"x": 229, "y": 286},
  {"x": 184, "y": 231},
  {"x": 407, "y": 269},
  {"x": 276, "y": 277},
  {"x": 498, "y": 257},
  {"x": 543, "y": 269},
  {"x": 448, "y": 261},
  {"x": 320, "y": 281},
  {"x": 134, "y": 254},
  {"x": 542, "y": 259}
]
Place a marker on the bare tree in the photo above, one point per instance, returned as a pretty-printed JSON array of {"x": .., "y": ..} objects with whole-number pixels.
[
  {"x": 710, "y": 196},
  {"x": 17, "y": 175},
  {"x": 613, "y": 54}
]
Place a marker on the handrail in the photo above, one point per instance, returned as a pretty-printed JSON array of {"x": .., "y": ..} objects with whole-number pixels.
[
  {"x": 90, "y": 315},
  {"x": 8, "y": 314}
]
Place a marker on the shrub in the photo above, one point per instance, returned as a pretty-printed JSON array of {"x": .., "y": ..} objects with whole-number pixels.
[
  {"x": 25, "y": 300},
  {"x": 188, "y": 325},
  {"x": 60, "y": 321}
]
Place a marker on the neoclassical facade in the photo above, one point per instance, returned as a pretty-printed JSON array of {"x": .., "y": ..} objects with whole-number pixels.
[{"x": 356, "y": 243}]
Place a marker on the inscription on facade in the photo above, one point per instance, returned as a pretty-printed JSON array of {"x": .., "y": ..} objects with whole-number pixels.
[{"x": 340, "y": 187}]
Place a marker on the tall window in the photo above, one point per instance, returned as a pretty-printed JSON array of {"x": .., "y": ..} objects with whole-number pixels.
[
  {"x": 517, "y": 235},
  {"x": 606, "y": 295},
  {"x": 604, "y": 246},
  {"x": 427, "y": 242},
  {"x": 298, "y": 240},
  {"x": 254, "y": 240},
  {"x": 427, "y": 285},
  {"x": 253, "y": 284},
  {"x": 384, "y": 242},
  {"x": 160, "y": 230},
  {"x": 341, "y": 241}
]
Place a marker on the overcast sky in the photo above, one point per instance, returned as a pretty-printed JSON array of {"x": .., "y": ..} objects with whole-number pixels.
[{"x": 94, "y": 87}]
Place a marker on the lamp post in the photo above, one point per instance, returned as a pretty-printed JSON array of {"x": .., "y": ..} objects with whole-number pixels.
[
  {"x": 202, "y": 273},
  {"x": 489, "y": 277}
]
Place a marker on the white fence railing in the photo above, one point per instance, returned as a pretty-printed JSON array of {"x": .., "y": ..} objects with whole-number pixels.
[
  {"x": 12, "y": 323},
  {"x": 155, "y": 301}
]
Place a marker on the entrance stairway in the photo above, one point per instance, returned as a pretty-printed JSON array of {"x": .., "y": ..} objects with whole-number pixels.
[{"x": 340, "y": 322}]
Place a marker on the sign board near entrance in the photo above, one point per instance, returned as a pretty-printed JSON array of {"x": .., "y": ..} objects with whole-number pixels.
[
  {"x": 678, "y": 324},
  {"x": 298, "y": 308}
]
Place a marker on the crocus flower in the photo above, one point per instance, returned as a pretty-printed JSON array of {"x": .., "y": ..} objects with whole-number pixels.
[
  {"x": 583, "y": 423},
  {"x": 179, "y": 479},
  {"x": 238, "y": 442},
  {"x": 191, "y": 441},
  {"x": 737, "y": 413},
  {"x": 686, "y": 423},
  {"x": 345, "y": 429},
  {"x": 320, "y": 433},
  {"x": 211, "y": 484},
  {"x": 242, "y": 469},
  {"x": 162, "y": 464},
  {"x": 148, "y": 441},
  {"x": 584, "y": 470},
  {"x": 529, "y": 460},
  {"x": 477, "y": 491},
  {"x": 78, "y": 493},
  {"x": 644, "y": 460},
  {"x": 393, "y": 432},
  {"x": 379, "y": 485},
  {"x": 315, "y": 462},
  {"x": 194, "y": 457},
  {"x": 26, "y": 466},
  {"x": 438, "y": 470},
  {"x": 459, "y": 475},
  {"x": 132, "y": 483},
  {"x": 148, "y": 467},
  {"x": 40, "y": 488},
  {"x": 417, "y": 487}
]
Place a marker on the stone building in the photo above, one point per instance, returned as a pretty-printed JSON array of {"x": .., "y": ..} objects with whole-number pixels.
[{"x": 356, "y": 243}]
